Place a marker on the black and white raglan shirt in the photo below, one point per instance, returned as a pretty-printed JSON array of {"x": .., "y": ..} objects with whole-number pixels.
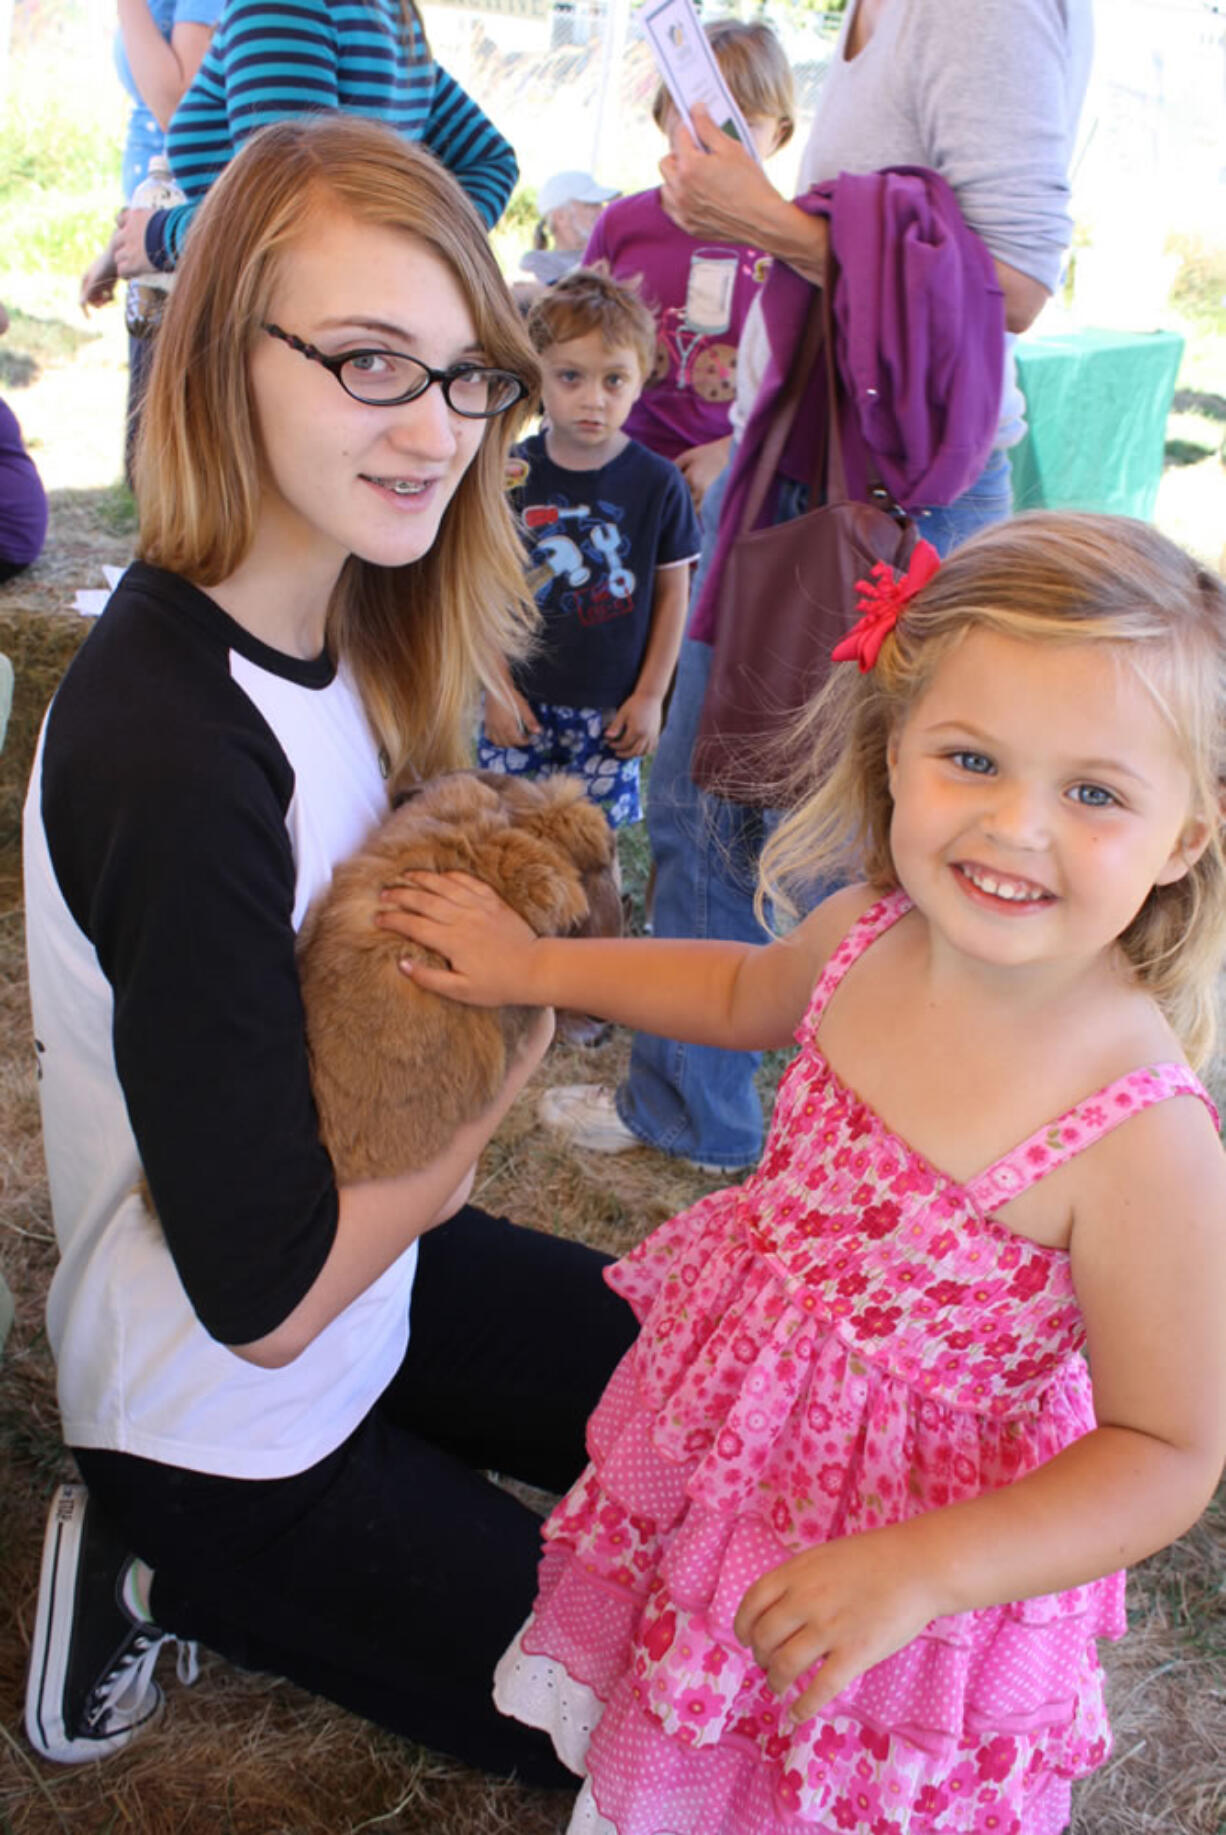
[{"x": 191, "y": 793}]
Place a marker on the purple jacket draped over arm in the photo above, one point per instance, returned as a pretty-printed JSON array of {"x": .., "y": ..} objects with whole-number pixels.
[{"x": 919, "y": 329}]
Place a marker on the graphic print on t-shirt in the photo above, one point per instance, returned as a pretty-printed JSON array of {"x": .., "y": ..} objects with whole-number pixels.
[
  {"x": 692, "y": 329},
  {"x": 593, "y": 543},
  {"x": 577, "y": 557}
]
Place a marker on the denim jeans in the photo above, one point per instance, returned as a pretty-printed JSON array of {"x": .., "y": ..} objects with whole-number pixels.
[{"x": 694, "y": 1100}]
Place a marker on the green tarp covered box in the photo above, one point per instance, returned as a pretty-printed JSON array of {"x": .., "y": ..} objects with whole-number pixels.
[{"x": 1096, "y": 410}]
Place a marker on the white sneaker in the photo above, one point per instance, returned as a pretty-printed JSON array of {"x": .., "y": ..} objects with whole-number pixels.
[
  {"x": 582, "y": 1029},
  {"x": 90, "y": 1689},
  {"x": 586, "y": 1115}
]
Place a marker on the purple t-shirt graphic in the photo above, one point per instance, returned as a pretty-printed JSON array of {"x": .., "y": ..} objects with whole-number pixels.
[{"x": 701, "y": 293}]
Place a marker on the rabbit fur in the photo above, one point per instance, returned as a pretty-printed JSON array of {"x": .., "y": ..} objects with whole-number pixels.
[{"x": 395, "y": 1069}]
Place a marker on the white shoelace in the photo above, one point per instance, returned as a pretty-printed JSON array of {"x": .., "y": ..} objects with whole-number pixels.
[{"x": 121, "y": 1697}]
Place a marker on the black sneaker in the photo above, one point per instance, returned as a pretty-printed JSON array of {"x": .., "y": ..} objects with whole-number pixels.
[{"x": 90, "y": 1689}]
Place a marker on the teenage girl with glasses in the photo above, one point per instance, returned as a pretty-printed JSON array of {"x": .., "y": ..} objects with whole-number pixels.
[{"x": 283, "y": 1402}]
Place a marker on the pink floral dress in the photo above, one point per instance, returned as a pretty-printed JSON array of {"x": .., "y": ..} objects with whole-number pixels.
[{"x": 845, "y": 1341}]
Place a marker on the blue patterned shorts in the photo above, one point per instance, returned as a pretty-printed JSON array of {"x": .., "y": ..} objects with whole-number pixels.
[{"x": 572, "y": 740}]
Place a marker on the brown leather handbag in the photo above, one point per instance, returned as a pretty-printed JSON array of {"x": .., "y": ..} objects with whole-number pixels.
[{"x": 788, "y": 595}]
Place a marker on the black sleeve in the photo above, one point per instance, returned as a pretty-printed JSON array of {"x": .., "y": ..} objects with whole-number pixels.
[{"x": 177, "y": 864}]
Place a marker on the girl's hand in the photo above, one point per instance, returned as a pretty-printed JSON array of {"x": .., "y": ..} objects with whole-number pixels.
[
  {"x": 99, "y": 280},
  {"x": 509, "y": 722},
  {"x": 849, "y": 1604},
  {"x": 635, "y": 727},
  {"x": 128, "y": 243},
  {"x": 714, "y": 186},
  {"x": 487, "y": 945}
]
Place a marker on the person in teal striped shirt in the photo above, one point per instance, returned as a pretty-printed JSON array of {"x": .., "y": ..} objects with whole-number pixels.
[{"x": 266, "y": 61}]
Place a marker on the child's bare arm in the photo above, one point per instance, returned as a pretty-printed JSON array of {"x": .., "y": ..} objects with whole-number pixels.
[
  {"x": 635, "y": 727},
  {"x": 1149, "y": 1262},
  {"x": 736, "y": 995}
]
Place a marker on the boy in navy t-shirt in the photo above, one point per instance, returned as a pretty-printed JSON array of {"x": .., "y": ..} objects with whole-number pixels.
[{"x": 610, "y": 533}]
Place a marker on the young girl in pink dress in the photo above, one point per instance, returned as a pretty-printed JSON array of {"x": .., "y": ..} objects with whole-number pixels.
[{"x": 856, "y": 1510}]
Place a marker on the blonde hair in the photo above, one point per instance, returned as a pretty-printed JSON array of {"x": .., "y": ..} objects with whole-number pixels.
[
  {"x": 418, "y": 639},
  {"x": 587, "y": 300},
  {"x": 1045, "y": 577},
  {"x": 755, "y": 67}
]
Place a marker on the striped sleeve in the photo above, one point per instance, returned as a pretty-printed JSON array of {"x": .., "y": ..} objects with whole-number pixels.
[
  {"x": 267, "y": 61},
  {"x": 471, "y": 148}
]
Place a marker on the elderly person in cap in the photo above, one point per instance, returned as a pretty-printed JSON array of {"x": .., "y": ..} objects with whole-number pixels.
[{"x": 569, "y": 204}]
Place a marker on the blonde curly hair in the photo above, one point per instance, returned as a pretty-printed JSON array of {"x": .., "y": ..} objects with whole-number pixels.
[{"x": 1044, "y": 577}]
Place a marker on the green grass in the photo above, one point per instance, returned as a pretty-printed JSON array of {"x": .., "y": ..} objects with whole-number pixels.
[
  {"x": 1199, "y": 291},
  {"x": 116, "y": 509},
  {"x": 113, "y": 506},
  {"x": 512, "y": 233},
  {"x": 59, "y": 172},
  {"x": 1204, "y": 358},
  {"x": 35, "y": 343},
  {"x": 46, "y": 146}
]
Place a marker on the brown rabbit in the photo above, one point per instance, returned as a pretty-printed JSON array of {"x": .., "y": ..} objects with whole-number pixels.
[{"x": 395, "y": 1069}]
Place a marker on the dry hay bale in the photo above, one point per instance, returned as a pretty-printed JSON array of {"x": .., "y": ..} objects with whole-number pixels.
[
  {"x": 40, "y": 631},
  {"x": 40, "y": 646}
]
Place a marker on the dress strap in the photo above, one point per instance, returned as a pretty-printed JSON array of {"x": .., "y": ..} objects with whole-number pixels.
[
  {"x": 866, "y": 929},
  {"x": 1079, "y": 1127}
]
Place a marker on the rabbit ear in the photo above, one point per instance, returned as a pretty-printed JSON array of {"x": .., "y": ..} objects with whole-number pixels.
[
  {"x": 537, "y": 877},
  {"x": 562, "y": 815},
  {"x": 583, "y": 830},
  {"x": 605, "y": 917}
]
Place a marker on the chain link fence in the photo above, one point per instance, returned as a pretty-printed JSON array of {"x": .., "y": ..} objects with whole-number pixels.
[{"x": 549, "y": 74}]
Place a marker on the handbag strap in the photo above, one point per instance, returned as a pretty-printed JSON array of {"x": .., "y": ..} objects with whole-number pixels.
[
  {"x": 835, "y": 489},
  {"x": 828, "y": 483},
  {"x": 787, "y": 402},
  {"x": 836, "y": 473}
]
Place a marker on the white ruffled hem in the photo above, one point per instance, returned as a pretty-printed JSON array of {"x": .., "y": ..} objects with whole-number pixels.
[
  {"x": 539, "y": 1692},
  {"x": 586, "y": 1819}
]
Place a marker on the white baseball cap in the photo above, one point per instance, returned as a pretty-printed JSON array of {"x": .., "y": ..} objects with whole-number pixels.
[{"x": 571, "y": 188}]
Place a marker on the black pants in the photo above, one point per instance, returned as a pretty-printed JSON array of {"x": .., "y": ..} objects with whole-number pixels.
[{"x": 390, "y": 1577}]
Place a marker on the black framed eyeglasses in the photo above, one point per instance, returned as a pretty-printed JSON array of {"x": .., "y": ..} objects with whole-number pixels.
[{"x": 386, "y": 378}]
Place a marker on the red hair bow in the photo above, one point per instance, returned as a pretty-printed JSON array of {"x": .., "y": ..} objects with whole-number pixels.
[{"x": 880, "y": 602}]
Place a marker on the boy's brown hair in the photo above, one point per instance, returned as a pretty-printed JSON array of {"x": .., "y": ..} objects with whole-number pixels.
[
  {"x": 587, "y": 300},
  {"x": 755, "y": 67}
]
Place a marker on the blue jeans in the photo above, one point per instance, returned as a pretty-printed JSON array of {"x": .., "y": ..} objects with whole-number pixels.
[{"x": 694, "y": 1100}]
